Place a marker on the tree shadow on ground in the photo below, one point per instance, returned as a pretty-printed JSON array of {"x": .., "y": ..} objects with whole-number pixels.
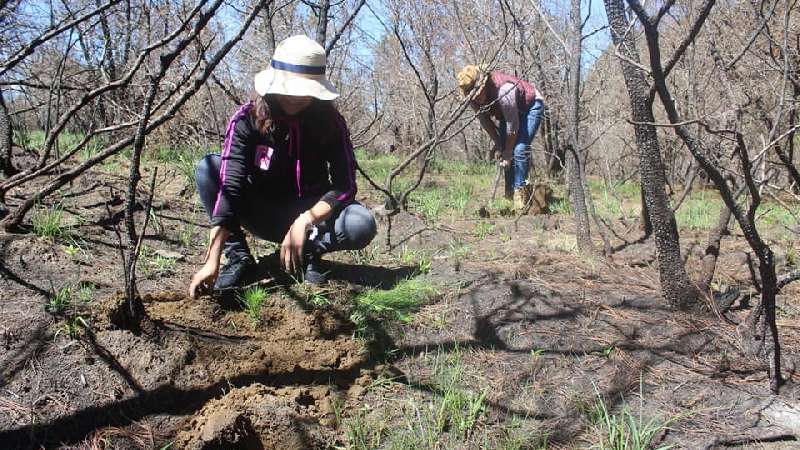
[
  {"x": 377, "y": 277},
  {"x": 522, "y": 304},
  {"x": 525, "y": 307}
]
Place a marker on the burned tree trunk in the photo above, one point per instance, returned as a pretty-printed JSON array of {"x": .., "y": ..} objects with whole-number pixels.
[
  {"x": 677, "y": 288},
  {"x": 577, "y": 194},
  {"x": 322, "y": 21},
  {"x": 761, "y": 326},
  {"x": 6, "y": 140}
]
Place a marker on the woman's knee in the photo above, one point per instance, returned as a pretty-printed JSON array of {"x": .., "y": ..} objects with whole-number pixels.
[{"x": 358, "y": 226}]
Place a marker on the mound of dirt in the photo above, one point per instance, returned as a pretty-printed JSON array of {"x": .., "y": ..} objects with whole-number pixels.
[{"x": 260, "y": 417}]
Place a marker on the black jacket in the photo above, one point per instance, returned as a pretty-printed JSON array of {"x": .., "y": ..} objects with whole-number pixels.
[{"x": 305, "y": 155}]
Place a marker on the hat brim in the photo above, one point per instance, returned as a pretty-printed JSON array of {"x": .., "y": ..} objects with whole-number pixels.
[{"x": 273, "y": 81}]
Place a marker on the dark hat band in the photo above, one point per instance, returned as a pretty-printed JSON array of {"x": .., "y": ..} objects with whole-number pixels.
[{"x": 298, "y": 68}]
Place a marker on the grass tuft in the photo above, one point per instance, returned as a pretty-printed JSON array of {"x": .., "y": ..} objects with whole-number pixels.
[
  {"x": 395, "y": 304},
  {"x": 627, "y": 430},
  {"x": 50, "y": 222},
  {"x": 252, "y": 299},
  {"x": 59, "y": 301}
]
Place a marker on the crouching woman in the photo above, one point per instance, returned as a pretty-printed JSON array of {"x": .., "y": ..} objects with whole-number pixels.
[{"x": 286, "y": 174}]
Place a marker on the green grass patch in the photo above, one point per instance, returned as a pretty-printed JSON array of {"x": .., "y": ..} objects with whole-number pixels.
[
  {"x": 35, "y": 139},
  {"x": 626, "y": 430},
  {"x": 773, "y": 214},
  {"x": 364, "y": 432},
  {"x": 417, "y": 258},
  {"x": 183, "y": 159},
  {"x": 60, "y": 300},
  {"x": 396, "y": 304},
  {"x": 378, "y": 166},
  {"x": 484, "y": 229},
  {"x": 432, "y": 203},
  {"x": 50, "y": 222},
  {"x": 458, "y": 409},
  {"x": 700, "y": 211}
]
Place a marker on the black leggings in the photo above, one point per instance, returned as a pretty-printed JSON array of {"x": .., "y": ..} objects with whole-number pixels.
[{"x": 351, "y": 229}]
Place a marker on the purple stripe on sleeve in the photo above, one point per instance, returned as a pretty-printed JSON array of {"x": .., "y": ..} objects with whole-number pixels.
[{"x": 226, "y": 150}]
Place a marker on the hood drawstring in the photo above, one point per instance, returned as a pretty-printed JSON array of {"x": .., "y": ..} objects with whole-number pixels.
[{"x": 294, "y": 140}]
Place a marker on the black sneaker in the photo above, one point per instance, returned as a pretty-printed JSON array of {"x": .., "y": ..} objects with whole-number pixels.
[
  {"x": 235, "y": 272},
  {"x": 315, "y": 272}
]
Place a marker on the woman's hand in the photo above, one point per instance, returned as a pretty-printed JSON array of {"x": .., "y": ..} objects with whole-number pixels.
[
  {"x": 293, "y": 242},
  {"x": 204, "y": 278},
  {"x": 207, "y": 275}
]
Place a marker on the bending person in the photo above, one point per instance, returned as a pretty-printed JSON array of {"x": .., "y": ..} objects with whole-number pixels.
[
  {"x": 286, "y": 174},
  {"x": 518, "y": 107}
]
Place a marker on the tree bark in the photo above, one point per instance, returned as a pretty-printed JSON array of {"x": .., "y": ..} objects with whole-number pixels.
[
  {"x": 577, "y": 194},
  {"x": 675, "y": 284},
  {"x": 6, "y": 140},
  {"x": 761, "y": 323},
  {"x": 322, "y": 21}
]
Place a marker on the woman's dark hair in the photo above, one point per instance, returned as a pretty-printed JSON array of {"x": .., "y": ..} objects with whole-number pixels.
[
  {"x": 262, "y": 113},
  {"x": 324, "y": 114}
]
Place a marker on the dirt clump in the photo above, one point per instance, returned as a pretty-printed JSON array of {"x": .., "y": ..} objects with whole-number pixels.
[{"x": 261, "y": 417}]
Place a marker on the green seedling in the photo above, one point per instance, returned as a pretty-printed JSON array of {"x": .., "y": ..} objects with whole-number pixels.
[
  {"x": 418, "y": 258},
  {"x": 605, "y": 353},
  {"x": 73, "y": 327},
  {"x": 253, "y": 299},
  {"x": 186, "y": 235},
  {"x": 86, "y": 292},
  {"x": 319, "y": 299},
  {"x": 484, "y": 229},
  {"x": 162, "y": 265},
  {"x": 72, "y": 250},
  {"x": 791, "y": 257},
  {"x": 363, "y": 433},
  {"x": 59, "y": 301}
]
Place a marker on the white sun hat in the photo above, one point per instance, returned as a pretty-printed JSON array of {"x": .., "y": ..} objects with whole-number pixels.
[{"x": 297, "y": 68}]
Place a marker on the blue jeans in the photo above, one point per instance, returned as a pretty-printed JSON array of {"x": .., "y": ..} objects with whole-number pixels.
[
  {"x": 517, "y": 172},
  {"x": 351, "y": 229}
]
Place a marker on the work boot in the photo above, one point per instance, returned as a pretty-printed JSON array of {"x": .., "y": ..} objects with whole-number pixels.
[
  {"x": 315, "y": 271},
  {"x": 235, "y": 272}
]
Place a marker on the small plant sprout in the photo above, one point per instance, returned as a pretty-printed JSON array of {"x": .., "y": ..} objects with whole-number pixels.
[
  {"x": 319, "y": 299},
  {"x": 72, "y": 250},
  {"x": 162, "y": 265},
  {"x": 627, "y": 430},
  {"x": 791, "y": 257},
  {"x": 484, "y": 229},
  {"x": 85, "y": 292},
  {"x": 59, "y": 301},
  {"x": 364, "y": 433},
  {"x": 417, "y": 258},
  {"x": 49, "y": 223},
  {"x": 73, "y": 327},
  {"x": 186, "y": 235},
  {"x": 253, "y": 299}
]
